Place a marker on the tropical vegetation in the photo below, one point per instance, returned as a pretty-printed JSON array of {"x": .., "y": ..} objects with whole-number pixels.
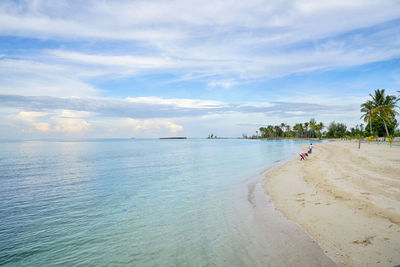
[
  {"x": 379, "y": 113},
  {"x": 310, "y": 129},
  {"x": 380, "y": 108}
]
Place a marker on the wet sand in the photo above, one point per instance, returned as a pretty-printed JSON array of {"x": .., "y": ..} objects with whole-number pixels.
[
  {"x": 347, "y": 199},
  {"x": 269, "y": 238}
]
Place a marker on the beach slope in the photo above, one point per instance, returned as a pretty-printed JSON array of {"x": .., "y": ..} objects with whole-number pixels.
[{"x": 347, "y": 199}]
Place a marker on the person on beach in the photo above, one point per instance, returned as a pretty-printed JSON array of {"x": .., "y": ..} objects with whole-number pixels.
[
  {"x": 303, "y": 156},
  {"x": 310, "y": 149}
]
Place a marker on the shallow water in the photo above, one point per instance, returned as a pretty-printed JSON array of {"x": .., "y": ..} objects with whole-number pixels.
[{"x": 145, "y": 203}]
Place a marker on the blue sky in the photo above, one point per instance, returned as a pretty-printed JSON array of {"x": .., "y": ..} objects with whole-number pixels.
[{"x": 190, "y": 68}]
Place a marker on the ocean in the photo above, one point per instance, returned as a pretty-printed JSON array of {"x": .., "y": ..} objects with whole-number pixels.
[{"x": 146, "y": 202}]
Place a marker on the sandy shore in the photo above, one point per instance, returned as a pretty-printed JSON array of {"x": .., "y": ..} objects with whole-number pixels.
[{"x": 347, "y": 199}]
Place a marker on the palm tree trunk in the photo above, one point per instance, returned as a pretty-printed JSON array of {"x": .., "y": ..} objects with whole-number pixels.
[
  {"x": 370, "y": 124},
  {"x": 387, "y": 132},
  {"x": 384, "y": 122}
]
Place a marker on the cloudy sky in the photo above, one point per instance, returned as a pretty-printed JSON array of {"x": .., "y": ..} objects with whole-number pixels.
[{"x": 189, "y": 68}]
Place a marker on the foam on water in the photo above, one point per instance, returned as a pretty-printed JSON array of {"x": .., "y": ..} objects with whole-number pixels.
[{"x": 145, "y": 203}]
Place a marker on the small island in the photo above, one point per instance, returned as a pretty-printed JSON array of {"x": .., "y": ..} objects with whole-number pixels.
[{"x": 179, "y": 137}]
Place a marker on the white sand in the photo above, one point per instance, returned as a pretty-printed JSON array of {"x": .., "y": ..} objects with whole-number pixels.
[{"x": 347, "y": 199}]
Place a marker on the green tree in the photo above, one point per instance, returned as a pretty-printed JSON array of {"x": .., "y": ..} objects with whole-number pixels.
[
  {"x": 262, "y": 131},
  {"x": 336, "y": 130},
  {"x": 306, "y": 124},
  {"x": 384, "y": 106},
  {"x": 379, "y": 127},
  {"x": 313, "y": 124},
  {"x": 283, "y": 128},
  {"x": 278, "y": 131},
  {"x": 366, "y": 109},
  {"x": 318, "y": 128},
  {"x": 270, "y": 131},
  {"x": 267, "y": 132},
  {"x": 298, "y": 128},
  {"x": 288, "y": 131}
]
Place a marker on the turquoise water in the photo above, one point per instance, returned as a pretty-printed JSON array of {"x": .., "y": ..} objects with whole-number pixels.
[{"x": 138, "y": 202}]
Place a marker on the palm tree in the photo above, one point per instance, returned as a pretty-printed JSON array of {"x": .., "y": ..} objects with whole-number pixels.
[
  {"x": 306, "y": 127},
  {"x": 384, "y": 106},
  {"x": 367, "y": 108},
  {"x": 283, "y": 127},
  {"x": 288, "y": 130},
  {"x": 278, "y": 131},
  {"x": 318, "y": 128},
  {"x": 301, "y": 129},
  {"x": 270, "y": 131},
  {"x": 298, "y": 127},
  {"x": 312, "y": 123}
]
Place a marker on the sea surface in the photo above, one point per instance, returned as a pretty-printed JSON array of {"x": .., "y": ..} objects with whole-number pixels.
[{"x": 146, "y": 202}]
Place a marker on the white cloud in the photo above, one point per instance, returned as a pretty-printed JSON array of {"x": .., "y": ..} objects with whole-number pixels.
[
  {"x": 215, "y": 62},
  {"x": 50, "y": 20},
  {"x": 70, "y": 126},
  {"x": 67, "y": 123},
  {"x": 296, "y": 112},
  {"x": 28, "y": 77},
  {"x": 138, "y": 62},
  {"x": 152, "y": 126},
  {"x": 146, "y": 108},
  {"x": 176, "y": 20},
  {"x": 30, "y": 119},
  {"x": 49, "y": 123},
  {"x": 73, "y": 114},
  {"x": 226, "y": 84},
  {"x": 189, "y": 120},
  {"x": 177, "y": 102},
  {"x": 259, "y": 104},
  {"x": 222, "y": 44},
  {"x": 224, "y": 40}
]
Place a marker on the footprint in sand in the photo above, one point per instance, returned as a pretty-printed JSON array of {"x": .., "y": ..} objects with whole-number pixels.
[{"x": 367, "y": 241}]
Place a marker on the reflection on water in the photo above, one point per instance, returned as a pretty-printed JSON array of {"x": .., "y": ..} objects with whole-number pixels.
[{"x": 144, "y": 202}]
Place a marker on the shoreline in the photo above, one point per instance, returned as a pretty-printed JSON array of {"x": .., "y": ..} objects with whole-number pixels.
[{"x": 347, "y": 200}]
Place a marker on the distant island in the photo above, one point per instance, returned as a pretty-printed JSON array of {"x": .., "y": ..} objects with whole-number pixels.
[{"x": 182, "y": 137}]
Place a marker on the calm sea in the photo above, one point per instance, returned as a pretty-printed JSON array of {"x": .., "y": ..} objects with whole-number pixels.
[{"x": 145, "y": 203}]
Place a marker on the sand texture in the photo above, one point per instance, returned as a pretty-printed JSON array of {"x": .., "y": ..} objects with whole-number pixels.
[{"x": 347, "y": 199}]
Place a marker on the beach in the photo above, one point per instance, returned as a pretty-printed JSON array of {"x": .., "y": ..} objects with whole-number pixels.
[{"x": 346, "y": 198}]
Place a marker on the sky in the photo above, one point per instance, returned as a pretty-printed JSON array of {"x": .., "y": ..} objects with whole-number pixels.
[{"x": 121, "y": 69}]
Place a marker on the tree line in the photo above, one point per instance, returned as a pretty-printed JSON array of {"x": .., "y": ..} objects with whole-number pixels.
[
  {"x": 379, "y": 113},
  {"x": 310, "y": 129}
]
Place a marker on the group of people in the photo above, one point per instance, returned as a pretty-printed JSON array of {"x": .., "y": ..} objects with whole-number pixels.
[{"x": 304, "y": 155}]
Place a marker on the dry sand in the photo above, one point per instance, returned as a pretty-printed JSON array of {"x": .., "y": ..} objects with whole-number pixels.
[{"x": 347, "y": 199}]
